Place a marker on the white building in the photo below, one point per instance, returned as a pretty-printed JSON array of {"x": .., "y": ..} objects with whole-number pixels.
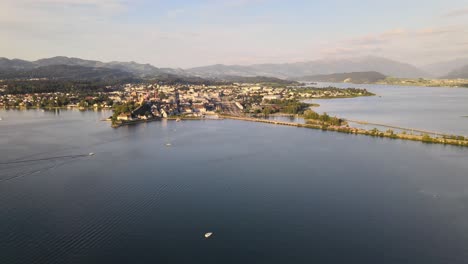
[{"x": 272, "y": 97}]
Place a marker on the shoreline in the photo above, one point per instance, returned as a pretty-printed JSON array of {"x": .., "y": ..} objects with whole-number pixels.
[
  {"x": 138, "y": 121},
  {"x": 55, "y": 108},
  {"x": 358, "y": 131},
  {"x": 402, "y": 85},
  {"x": 440, "y": 138},
  {"x": 131, "y": 122},
  {"x": 360, "y": 122}
]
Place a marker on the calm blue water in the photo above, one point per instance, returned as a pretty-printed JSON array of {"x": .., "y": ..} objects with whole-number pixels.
[
  {"x": 270, "y": 194},
  {"x": 434, "y": 109}
]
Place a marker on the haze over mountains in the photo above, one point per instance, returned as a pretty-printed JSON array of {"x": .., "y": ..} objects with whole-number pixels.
[
  {"x": 80, "y": 68},
  {"x": 330, "y": 66},
  {"x": 461, "y": 72},
  {"x": 448, "y": 68},
  {"x": 140, "y": 70},
  {"x": 352, "y": 77}
]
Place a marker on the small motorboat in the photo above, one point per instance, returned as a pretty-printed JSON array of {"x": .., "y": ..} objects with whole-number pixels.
[
  {"x": 168, "y": 144},
  {"x": 91, "y": 154},
  {"x": 208, "y": 235},
  {"x": 177, "y": 120}
]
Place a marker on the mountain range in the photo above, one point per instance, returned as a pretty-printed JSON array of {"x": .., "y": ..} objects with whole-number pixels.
[
  {"x": 330, "y": 66},
  {"x": 139, "y": 70},
  {"x": 446, "y": 68},
  {"x": 460, "y": 73},
  {"x": 76, "y": 68},
  {"x": 352, "y": 77}
]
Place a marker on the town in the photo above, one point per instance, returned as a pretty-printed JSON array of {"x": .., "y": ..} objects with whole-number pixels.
[{"x": 143, "y": 101}]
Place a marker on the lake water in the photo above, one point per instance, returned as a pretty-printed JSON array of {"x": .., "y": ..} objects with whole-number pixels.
[
  {"x": 442, "y": 110},
  {"x": 270, "y": 194}
]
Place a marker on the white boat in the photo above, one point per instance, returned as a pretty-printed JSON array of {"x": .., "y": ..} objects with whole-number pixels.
[
  {"x": 168, "y": 144},
  {"x": 91, "y": 154},
  {"x": 207, "y": 235},
  {"x": 178, "y": 120}
]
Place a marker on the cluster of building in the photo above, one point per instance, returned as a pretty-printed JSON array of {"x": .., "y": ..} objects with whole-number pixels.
[
  {"x": 197, "y": 100},
  {"x": 57, "y": 99},
  {"x": 170, "y": 100}
]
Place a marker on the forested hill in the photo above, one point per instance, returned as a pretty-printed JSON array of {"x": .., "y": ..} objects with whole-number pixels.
[
  {"x": 79, "y": 69},
  {"x": 65, "y": 72}
]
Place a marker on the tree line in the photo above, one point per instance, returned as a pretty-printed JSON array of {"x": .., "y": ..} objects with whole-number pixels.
[{"x": 325, "y": 118}]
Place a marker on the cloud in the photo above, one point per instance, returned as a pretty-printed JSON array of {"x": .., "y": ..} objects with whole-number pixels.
[
  {"x": 55, "y": 16},
  {"x": 457, "y": 13},
  {"x": 175, "y": 12},
  {"x": 241, "y": 3},
  {"x": 436, "y": 31},
  {"x": 423, "y": 44},
  {"x": 101, "y": 4},
  {"x": 377, "y": 39},
  {"x": 211, "y": 31},
  {"x": 32, "y": 9},
  {"x": 394, "y": 33}
]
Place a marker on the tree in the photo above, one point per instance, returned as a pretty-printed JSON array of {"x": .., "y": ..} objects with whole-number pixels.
[
  {"x": 267, "y": 110},
  {"x": 309, "y": 114},
  {"x": 426, "y": 138},
  {"x": 162, "y": 95},
  {"x": 325, "y": 117}
]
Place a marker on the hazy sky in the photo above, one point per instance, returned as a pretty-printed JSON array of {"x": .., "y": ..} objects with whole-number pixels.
[{"x": 185, "y": 33}]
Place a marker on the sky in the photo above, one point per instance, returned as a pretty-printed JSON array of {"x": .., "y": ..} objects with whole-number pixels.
[{"x": 189, "y": 33}]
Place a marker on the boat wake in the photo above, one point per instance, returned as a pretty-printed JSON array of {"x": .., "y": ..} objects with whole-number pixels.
[
  {"x": 54, "y": 162},
  {"x": 45, "y": 159}
]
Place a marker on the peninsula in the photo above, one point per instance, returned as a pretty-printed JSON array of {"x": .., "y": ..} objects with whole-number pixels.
[
  {"x": 255, "y": 103},
  {"x": 249, "y": 99},
  {"x": 139, "y": 103}
]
